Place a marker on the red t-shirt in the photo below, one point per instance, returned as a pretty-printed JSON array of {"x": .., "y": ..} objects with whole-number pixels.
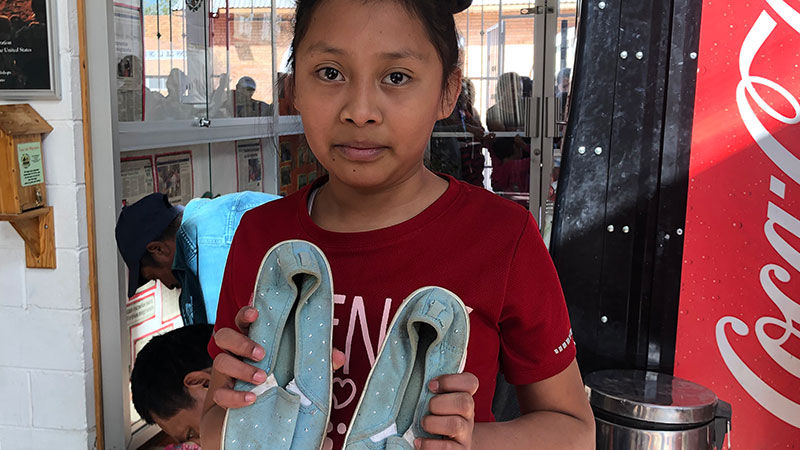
[{"x": 485, "y": 249}]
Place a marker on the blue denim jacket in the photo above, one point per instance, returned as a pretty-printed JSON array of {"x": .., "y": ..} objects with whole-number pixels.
[{"x": 201, "y": 250}]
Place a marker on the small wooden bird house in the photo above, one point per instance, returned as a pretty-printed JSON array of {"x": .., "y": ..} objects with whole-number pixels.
[
  {"x": 23, "y": 199},
  {"x": 22, "y": 172}
]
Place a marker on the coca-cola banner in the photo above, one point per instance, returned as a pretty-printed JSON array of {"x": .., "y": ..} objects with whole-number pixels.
[{"x": 739, "y": 322}]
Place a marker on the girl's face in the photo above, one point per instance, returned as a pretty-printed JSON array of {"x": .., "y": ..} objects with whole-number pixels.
[{"x": 369, "y": 89}]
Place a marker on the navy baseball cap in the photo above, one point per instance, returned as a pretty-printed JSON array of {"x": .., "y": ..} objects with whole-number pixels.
[{"x": 138, "y": 225}]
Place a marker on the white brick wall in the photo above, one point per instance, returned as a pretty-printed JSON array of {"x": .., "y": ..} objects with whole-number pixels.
[{"x": 46, "y": 378}]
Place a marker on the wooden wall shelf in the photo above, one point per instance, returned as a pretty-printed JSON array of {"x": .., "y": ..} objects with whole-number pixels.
[{"x": 36, "y": 229}]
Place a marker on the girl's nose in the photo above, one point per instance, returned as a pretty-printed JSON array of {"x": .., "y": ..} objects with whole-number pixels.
[{"x": 361, "y": 107}]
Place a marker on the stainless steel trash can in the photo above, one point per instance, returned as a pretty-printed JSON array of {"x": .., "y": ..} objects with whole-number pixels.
[{"x": 652, "y": 411}]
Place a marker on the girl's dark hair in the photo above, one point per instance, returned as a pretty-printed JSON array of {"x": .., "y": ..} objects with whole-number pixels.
[
  {"x": 158, "y": 372},
  {"x": 436, "y": 17}
]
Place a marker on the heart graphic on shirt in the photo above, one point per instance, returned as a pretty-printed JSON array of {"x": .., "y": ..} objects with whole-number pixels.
[{"x": 342, "y": 383}]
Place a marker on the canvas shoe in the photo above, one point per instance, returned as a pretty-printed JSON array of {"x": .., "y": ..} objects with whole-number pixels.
[
  {"x": 294, "y": 298},
  {"x": 428, "y": 337}
]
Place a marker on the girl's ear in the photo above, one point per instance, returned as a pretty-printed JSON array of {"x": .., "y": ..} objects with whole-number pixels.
[{"x": 450, "y": 95}]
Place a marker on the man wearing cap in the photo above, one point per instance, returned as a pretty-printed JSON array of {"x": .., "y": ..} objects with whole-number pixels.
[
  {"x": 246, "y": 106},
  {"x": 183, "y": 247}
]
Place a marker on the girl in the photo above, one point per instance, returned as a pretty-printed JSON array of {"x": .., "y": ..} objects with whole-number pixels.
[{"x": 371, "y": 78}]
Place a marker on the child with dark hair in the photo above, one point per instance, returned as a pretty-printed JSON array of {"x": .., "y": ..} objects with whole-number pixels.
[
  {"x": 370, "y": 79},
  {"x": 170, "y": 380}
]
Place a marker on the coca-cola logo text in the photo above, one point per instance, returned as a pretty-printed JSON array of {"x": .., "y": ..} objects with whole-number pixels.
[{"x": 777, "y": 273}]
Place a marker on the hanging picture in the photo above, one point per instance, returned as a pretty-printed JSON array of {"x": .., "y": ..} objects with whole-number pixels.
[
  {"x": 175, "y": 177},
  {"x": 249, "y": 165},
  {"x": 137, "y": 178},
  {"x": 28, "y": 50},
  {"x": 130, "y": 65}
]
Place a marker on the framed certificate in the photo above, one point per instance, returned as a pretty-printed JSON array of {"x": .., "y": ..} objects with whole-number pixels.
[{"x": 29, "y": 51}]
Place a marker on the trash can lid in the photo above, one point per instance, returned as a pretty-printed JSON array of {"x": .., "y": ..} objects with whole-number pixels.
[{"x": 650, "y": 397}]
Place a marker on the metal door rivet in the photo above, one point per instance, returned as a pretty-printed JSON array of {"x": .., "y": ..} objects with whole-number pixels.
[
  {"x": 679, "y": 231},
  {"x": 581, "y": 150},
  {"x": 610, "y": 228},
  {"x": 601, "y": 5},
  {"x": 693, "y": 55},
  {"x": 623, "y": 55},
  {"x": 639, "y": 55},
  {"x": 667, "y": 236},
  {"x": 598, "y": 150},
  {"x": 625, "y": 229},
  {"x": 604, "y": 319}
]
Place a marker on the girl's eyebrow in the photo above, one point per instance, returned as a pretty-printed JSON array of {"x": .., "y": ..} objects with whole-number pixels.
[
  {"x": 322, "y": 47},
  {"x": 403, "y": 54}
]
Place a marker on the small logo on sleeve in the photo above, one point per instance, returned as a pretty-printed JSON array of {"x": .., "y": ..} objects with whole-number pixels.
[{"x": 564, "y": 344}]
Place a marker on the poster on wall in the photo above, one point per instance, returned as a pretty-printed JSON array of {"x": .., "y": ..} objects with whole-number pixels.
[
  {"x": 739, "y": 321},
  {"x": 152, "y": 311},
  {"x": 298, "y": 166},
  {"x": 174, "y": 176},
  {"x": 137, "y": 178},
  {"x": 28, "y": 56},
  {"x": 130, "y": 66},
  {"x": 249, "y": 165}
]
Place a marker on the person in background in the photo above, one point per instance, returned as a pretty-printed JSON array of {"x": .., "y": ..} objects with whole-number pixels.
[
  {"x": 183, "y": 247},
  {"x": 507, "y": 113},
  {"x": 510, "y": 156},
  {"x": 246, "y": 106},
  {"x": 466, "y": 155},
  {"x": 169, "y": 381},
  {"x": 370, "y": 80},
  {"x": 563, "y": 80}
]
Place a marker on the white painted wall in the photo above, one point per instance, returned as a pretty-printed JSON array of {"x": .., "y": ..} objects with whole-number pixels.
[{"x": 46, "y": 380}]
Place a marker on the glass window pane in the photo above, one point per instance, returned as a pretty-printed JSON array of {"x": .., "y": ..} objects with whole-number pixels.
[
  {"x": 240, "y": 59},
  {"x": 483, "y": 142}
]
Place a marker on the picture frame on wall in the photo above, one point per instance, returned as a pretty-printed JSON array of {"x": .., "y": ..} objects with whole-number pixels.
[{"x": 29, "y": 51}]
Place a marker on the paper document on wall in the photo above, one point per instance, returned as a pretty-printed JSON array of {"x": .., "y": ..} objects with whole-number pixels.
[
  {"x": 137, "y": 179},
  {"x": 249, "y": 165}
]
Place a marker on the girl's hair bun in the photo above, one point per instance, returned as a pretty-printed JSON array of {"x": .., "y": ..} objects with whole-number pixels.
[{"x": 456, "y": 6}]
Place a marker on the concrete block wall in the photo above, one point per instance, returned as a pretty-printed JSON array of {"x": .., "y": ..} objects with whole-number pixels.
[{"x": 46, "y": 378}]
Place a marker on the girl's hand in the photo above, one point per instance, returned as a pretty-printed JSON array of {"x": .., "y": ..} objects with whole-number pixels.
[
  {"x": 452, "y": 412},
  {"x": 237, "y": 345}
]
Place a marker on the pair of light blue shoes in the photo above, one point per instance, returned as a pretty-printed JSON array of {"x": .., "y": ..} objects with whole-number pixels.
[{"x": 428, "y": 337}]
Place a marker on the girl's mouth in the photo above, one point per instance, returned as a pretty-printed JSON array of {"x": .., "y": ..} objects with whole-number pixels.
[{"x": 360, "y": 152}]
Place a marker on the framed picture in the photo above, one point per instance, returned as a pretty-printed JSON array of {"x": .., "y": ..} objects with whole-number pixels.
[{"x": 28, "y": 50}]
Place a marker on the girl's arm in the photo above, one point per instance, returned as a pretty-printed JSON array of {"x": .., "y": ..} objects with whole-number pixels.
[{"x": 556, "y": 415}]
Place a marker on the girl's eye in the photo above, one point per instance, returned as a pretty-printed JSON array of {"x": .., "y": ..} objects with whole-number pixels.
[
  {"x": 329, "y": 74},
  {"x": 397, "y": 78}
]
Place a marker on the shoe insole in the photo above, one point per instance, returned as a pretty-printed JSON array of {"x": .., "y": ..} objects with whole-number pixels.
[{"x": 416, "y": 382}]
